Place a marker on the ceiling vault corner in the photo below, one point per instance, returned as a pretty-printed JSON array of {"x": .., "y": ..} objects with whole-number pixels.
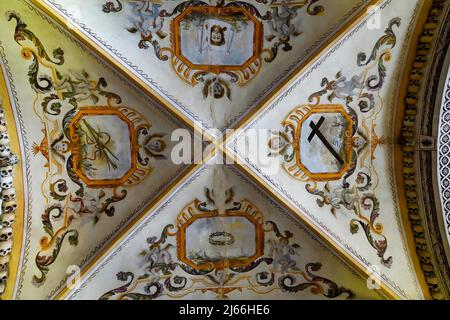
[
  {"x": 362, "y": 270},
  {"x": 314, "y": 56},
  {"x": 91, "y": 265},
  {"x": 124, "y": 71}
]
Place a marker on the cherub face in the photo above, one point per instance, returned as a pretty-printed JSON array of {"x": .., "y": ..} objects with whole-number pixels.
[
  {"x": 217, "y": 35},
  {"x": 218, "y": 90},
  {"x": 358, "y": 142},
  {"x": 62, "y": 147},
  {"x": 276, "y": 143}
]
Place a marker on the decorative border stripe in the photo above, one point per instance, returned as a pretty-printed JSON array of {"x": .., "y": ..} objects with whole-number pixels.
[{"x": 423, "y": 55}]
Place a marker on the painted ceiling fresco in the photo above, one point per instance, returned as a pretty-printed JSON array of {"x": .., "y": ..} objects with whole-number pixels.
[
  {"x": 311, "y": 209},
  {"x": 220, "y": 238},
  {"x": 91, "y": 144},
  {"x": 242, "y": 49},
  {"x": 333, "y": 142}
]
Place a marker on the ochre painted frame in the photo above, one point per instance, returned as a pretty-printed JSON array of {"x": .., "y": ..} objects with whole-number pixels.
[
  {"x": 216, "y": 11},
  {"x": 328, "y": 176},
  {"x": 89, "y": 111},
  {"x": 226, "y": 263}
]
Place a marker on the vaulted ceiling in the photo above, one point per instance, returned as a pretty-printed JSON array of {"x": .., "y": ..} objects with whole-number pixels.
[{"x": 327, "y": 189}]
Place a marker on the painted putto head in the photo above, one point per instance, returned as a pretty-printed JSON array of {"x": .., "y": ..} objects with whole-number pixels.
[{"x": 217, "y": 37}]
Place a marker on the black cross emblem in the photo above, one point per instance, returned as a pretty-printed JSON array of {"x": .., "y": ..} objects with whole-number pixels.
[{"x": 316, "y": 132}]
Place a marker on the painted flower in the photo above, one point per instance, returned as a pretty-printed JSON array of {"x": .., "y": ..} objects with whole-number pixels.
[
  {"x": 122, "y": 276},
  {"x": 282, "y": 253}
]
